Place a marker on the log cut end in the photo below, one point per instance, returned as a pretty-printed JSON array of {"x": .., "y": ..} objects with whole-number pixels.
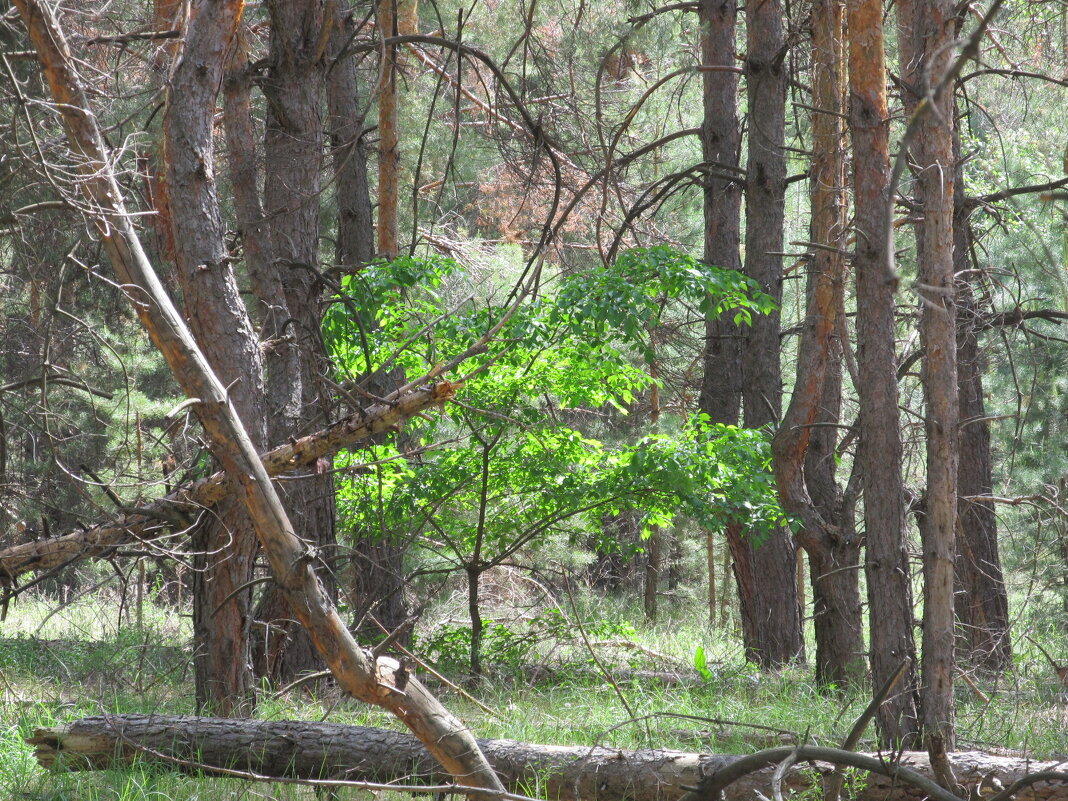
[{"x": 59, "y": 748}]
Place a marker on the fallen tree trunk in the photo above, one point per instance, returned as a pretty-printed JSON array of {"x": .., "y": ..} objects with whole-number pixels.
[
  {"x": 150, "y": 521},
  {"x": 569, "y": 773}
]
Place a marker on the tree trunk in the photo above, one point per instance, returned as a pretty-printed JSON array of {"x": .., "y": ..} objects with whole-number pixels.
[
  {"x": 282, "y": 359},
  {"x": 929, "y": 51},
  {"x": 369, "y": 678},
  {"x": 166, "y": 15},
  {"x": 566, "y": 773},
  {"x": 837, "y": 616},
  {"x": 879, "y": 451},
  {"x": 377, "y": 564},
  {"x": 388, "y": 139},
  {"x": 835, "y": 574},
  {"x": 765, "y": 636},
  {"x": 653, "y": 561},
  {"x": 982, "y": 606},
  {"x": 982, "y": 601},
  {"x": 721, "y": 384},
  {"x": 804, "y": 446},
  {"x": 710, "y": 559},
  {"x": 474, "y": 613},
  {"x": 345, "y": 128},
  {"x": 298, "y": 400},
  {"x": 674, "y": 557},
  {"x": 771, "y": 617},
  {"x": 225, "y": 544}
]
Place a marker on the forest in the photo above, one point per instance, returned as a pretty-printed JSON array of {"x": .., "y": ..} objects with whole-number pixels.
[{"x": 591, "y": 400}]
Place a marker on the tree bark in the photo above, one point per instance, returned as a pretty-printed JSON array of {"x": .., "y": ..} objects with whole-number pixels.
[
  {"x": 771, "y": 615},
  {"x": 282, "y": 356},
  {"x": 388, "y": 139},
  {"x": 360, "y": 673},
  {"x": 357, "y": 753},
  {"x": 804, "y": 446},
  {"x": 225, "y": 543},
  {"x": 721, "y": 384},
  {"x": 927, "y": 48},
  {"x": 345, "y": 129},
  {"x": 879, "y": 451},
  {"x": 982, "y": 604},
  {"x": 377, "y": 562},
  {"x": 298, "y": 400}
]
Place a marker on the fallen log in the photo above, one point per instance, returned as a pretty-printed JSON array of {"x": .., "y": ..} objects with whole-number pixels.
[
  {"x": 150, "y": 521},
  {"x": 305, "y": 750}
]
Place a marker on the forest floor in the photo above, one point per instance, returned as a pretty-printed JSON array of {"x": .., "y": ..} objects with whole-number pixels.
[{"x": 88, "y": 658}]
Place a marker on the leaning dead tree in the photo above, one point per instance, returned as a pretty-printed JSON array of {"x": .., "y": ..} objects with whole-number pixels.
[
  {"x": 369, "y": 678},
  {"x": 326, "y": 751}
]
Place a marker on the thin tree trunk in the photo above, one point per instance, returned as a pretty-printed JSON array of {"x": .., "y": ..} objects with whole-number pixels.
[
  {"x": 653, "y": 560},
  {"x": 474, "y": 612},
  {"x": 879, "y": 451},
  {"x": 375, "y": 680},
  {"x": 674, "y": 570},
  {"x": 982, "y": 605},
  {"x": 654, "y": 546},
  {"x": 388, "y": 139},
  {"x": 771, "y": 626},
  {"x": 725, "y": 585},
  {"x": 377, "y": 563},
  {"x": 804, "y": 446},
  {"x": 710, "y": 555},
  {"x": 934, "y": 31}
]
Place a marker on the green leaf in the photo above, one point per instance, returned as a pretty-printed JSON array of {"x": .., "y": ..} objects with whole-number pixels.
[{"x": 700, "y": 663}]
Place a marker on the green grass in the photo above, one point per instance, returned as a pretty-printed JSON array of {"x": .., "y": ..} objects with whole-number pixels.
[{"x": 83, "y": 660}]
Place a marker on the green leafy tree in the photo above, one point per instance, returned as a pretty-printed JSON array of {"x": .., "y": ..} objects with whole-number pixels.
[{"x": 503, "y": 472}]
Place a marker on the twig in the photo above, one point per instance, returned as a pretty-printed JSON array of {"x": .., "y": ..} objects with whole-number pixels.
[{"x": 593, "y": 654}]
